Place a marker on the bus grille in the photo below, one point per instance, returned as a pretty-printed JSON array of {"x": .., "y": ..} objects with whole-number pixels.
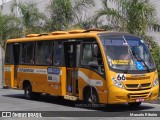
[
  {"x": 133, "y": 87},
  {"x": 139, "y": 95},
  {"x": 138, "y": 78}
]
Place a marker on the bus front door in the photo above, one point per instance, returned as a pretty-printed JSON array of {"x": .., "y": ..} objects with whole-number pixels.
[{"x": 72, "y": 56}]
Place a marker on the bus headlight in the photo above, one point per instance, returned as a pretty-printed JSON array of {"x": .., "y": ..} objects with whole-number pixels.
[
  {"x": 117, "y": 83},
  {"x": 156, "y": 81}
]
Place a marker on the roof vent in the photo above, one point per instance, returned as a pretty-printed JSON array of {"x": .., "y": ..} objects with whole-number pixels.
[
  {"x": 59, "y": 32},
  {"x": 36, "y": 35},
  {"x": 32, "y": 35}
]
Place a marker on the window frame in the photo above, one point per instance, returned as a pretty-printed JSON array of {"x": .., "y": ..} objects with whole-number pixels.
[
  {"x": 21, "y": 52},
  {"x": 81, "y": 57},
  {"x": 10, "y": 54},
  {"x": 35, "y": 55},
  {"x": 62, "y": 64},
  {"x": 16, "y": 43}
]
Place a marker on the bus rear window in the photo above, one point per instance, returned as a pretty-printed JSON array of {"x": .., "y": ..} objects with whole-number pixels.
[{"x": 8, "y": 54}]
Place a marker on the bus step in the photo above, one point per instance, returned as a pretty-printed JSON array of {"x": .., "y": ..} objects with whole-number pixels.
[{"x": 68, "y": 97}]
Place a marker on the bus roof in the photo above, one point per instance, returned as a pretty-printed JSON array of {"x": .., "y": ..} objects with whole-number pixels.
[{"x": 65, "y": 35}]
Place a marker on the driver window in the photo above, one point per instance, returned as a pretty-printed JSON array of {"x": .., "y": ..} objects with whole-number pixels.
[{"x": 91, "y": 57}]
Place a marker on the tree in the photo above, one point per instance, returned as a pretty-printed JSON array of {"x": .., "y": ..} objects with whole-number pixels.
[
  {"x": 31, "y": 20},
  {"x": 64, "y": 14},
  {"x": 156, "y": 56},
  {"x": 8, "y": 27},
  {"x": 133, "y": 16},
  {"x": 60, "y": 13}
]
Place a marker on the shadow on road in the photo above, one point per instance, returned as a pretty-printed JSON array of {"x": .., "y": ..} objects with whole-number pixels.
[{"x": 80, "y": 104}]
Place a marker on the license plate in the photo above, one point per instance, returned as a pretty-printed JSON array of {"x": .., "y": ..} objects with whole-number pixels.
[{"x": 139, "y": 100}]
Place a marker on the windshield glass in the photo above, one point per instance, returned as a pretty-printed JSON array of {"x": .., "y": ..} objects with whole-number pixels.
[{"x": 127, "y": 53}]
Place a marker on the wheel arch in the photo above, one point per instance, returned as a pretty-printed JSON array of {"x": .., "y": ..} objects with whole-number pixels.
[
  {"x": 25, "y": 82},
  {"x": 88, "y": 88}
]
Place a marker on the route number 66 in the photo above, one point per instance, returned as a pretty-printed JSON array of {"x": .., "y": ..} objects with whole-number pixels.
[{"x": 121, "y": 77}]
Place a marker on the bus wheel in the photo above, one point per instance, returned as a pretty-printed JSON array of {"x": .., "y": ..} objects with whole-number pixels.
[
  {"x": 135, "y": 104},
  {"x": 28, "y": 91},
  {"x": 91, "y": 98},
  {"x": 29, "y": 94}
]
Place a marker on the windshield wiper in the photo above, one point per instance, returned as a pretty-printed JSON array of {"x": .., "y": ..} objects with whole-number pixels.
[
  {"x": 134, "y": 55},
  {"x": 131, "y": 53},
  {"x": 141, "y": 59}
]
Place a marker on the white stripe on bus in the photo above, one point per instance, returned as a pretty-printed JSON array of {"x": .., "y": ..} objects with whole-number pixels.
[{"x": 90, "y": 81}]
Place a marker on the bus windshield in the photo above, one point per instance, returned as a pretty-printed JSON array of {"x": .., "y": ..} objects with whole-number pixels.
[{"x": 127, "y": 53}]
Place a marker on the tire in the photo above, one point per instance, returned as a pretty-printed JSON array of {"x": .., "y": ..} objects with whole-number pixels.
[
  {"x": 28, "y": 91},
  {"x": 135, "y": 104},
  {"x": 29, "y": 94},
  {"x": 91, "y": 99}
]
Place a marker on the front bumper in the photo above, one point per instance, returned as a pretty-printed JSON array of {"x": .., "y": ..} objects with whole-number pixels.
[{"x": 117, "y": 95}]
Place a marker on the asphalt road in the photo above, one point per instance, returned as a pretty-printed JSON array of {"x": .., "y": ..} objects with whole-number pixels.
[{"x": 14, "y": 100}]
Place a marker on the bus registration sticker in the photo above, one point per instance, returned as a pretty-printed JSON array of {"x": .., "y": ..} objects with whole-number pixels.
[
  {"x": 121, "y": 77},
  {"x": 53, "y": 78}
]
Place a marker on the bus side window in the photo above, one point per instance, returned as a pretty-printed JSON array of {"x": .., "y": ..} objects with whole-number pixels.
[
  {"x": 28, "y": 53},
  {"x": 58, "y": 53},
  {"x": 16, "y": 53},
  {"x": 87, "y": 54},
  {"x": 92, "y": 58},
  {"x": 48, "y": 52},
  {"x": 8, "y": 54},
  {"x": 44, "y": 53}
]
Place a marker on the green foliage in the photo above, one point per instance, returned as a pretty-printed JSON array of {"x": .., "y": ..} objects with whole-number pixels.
[
  {"x": 61, "y": 14},
  {"x": 64, "y": 14},
  {"x": 155, "y": 51},
  {"x": 31, "y": 20},
  {"x": 8, "y": 27},
  {"x": 133, "y": 16}
]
